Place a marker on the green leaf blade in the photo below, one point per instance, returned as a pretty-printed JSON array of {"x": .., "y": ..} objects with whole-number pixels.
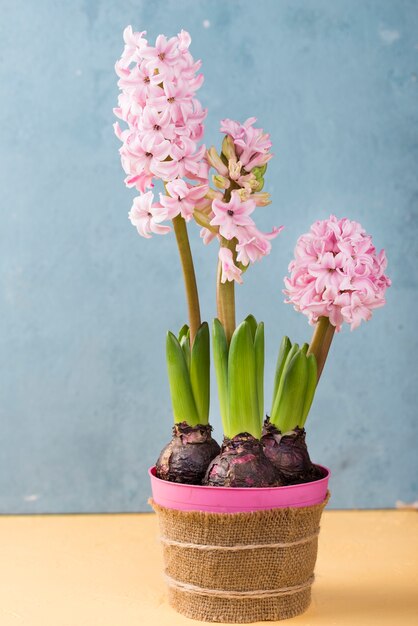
[
  {"x": 259, "y": 368},
  {"x": 284, "y": 350},
  {"x": 242, "y": 386},
  {"x": 292, "y": 398},
  {"x": 182, "y": 399},
  {"x": 185, "y": 346},
  {"x": 274, "y": 411},
  {"x": 220, "y": 358},
  {"x": 200, "y": 372},
  {"x": 252, "y": 322},
  {"x": 184, "y": 332}
]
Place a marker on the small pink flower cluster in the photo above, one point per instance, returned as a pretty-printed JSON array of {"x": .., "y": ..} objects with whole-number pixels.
[
  {"x": 240, "y": 170},
  {"x": 337, "y": 273},
  {"x": 165, "y": 122},
  {"x": 252, "y": 145}
]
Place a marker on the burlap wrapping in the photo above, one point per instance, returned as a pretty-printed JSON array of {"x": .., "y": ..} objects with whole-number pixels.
[{"x": 228, "y": 575}]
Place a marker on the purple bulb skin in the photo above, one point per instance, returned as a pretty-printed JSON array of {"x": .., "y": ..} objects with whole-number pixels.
[
  {"x": 289, "y": 455},
  {"x": 241, "y": 463},
  {"x": 186, "y": 457}
]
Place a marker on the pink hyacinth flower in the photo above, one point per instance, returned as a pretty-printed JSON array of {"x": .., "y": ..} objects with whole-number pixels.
[
  {"x": 229, "y": 271},
  {"x": 183, "y": 152},
  {"x": 175, "y": 98},
  {"x": 254, "y": 148},
  {"x": 357, "y": 311},
  {"x": 163, "y": 56},
  {"x": 143, "y": 153},
  {"x": 235, "y": 129},
  {"x": 182, "y": 199},
  {"x": 134, "y": 42},
  {"x": 156, "y": 125},
  {"x": 141, "y": 182},
  {"x": 252, "y": 145},
  {"x": 229, "y": 216},
  {"x": 147, "y": 217},
  {"x": 207, "y": 236},
  {"x": 254, "y": 245}
]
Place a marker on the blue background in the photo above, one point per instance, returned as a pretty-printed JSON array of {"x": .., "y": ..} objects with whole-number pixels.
[{"x": 85, "y": 302}]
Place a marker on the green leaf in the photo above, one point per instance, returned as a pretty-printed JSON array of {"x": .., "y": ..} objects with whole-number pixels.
[
  {"x": 274, "y": 411},
  {"x": 252, "y": 322},
  {"x": 184, "y": 340},
  {"x": 184, "y": 332},
  {"x": 312, "y": 380},
  {"x": 242, "y": 386},
  {"x": 185, "y": 346},
  {"x": 220, "y": 358},
  {"x": 182, "y": 400},
  {"x": 259, "y": 368},
  {"x": 285, "y": 347},
  {"x": 200, "y": 372},
  {"x": 304, "y": 348},
  {"x": 292, "y": 397}
]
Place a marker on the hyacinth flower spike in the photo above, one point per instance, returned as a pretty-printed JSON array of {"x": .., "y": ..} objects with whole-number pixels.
[{"x": 238, "y": 180}]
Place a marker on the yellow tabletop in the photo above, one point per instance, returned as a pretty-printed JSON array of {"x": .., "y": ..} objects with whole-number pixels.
[{"x": 106, "y": 570}]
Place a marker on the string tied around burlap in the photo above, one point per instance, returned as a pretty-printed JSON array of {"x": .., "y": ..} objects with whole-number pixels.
[
  {"x": 236, "y": 548},
  {"x": 221, "y": 593}
]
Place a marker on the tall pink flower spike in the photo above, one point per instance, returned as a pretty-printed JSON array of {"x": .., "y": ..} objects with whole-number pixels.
[
  {"x": 240, "y": 170},
  {"x": 164, "y": 123},
  {"x": 337, "y": 273}
]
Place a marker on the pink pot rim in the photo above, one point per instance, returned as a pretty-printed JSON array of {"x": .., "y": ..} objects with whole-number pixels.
[{"x": 184, "y": 497}]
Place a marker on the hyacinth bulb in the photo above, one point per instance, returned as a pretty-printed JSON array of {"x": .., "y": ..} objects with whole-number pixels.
[
  {"x": 289, "y": 454},
  {"x": 186, "y": 458},
  {"x": 241, "y": 463}
]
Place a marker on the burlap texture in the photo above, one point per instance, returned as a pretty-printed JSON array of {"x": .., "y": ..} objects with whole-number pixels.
[{"x": 249, "y": 570}]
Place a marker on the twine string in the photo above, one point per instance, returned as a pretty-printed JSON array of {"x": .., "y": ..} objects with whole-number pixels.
[
  {"x": 236, "y": 548},
  {"x": 221, "y": 593}
]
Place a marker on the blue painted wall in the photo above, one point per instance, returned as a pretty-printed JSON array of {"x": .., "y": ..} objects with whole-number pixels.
[{"x": 85, "y": 302}]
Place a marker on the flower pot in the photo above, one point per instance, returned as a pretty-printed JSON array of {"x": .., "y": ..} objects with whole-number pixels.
[{"x": 239, "y": 555}]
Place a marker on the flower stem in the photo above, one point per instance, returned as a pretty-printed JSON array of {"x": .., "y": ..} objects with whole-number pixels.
[
  {"x": 180, "y": 230},
  {"x": 225, "y": 301},
  {"x": 321, "y": 342}
]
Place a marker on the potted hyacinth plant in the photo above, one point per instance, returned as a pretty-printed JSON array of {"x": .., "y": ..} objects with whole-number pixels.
[
  {"x": 164, "y": 124},
  {"x": 256, "y": 501},
  {"x": 336, "y": 277}
]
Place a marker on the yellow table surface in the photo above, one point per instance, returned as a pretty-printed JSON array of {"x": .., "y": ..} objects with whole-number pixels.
[{"x": 106, "y": 570}]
